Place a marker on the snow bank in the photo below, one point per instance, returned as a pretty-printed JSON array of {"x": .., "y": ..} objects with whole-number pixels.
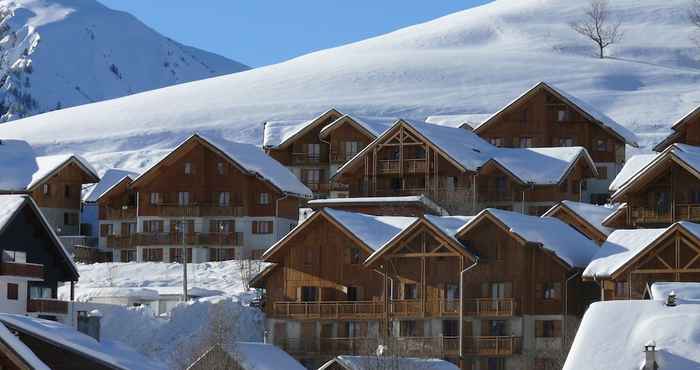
[{"x": 683, "y": 291}]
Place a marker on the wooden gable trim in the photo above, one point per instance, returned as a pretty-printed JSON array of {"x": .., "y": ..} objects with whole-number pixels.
[
  {"x": 267, "y": 256},
  {"x": 500, "y": 167},
  {"x": 311, "y": 125},
  {"x": 14, "y": 356},
  {"x": 258, "y": 281},
  {"x": 439, "y": 234},
  {"x": 114, "y": 187},
  {"x": 563, "y": 208},
  {"x": 90, "y": 175},
  {"x": 620, "y": 211},
  {"x": 667, "y": 141},
  {"x": 339, "y": 123},
  {"x": 684, "y": 120}
]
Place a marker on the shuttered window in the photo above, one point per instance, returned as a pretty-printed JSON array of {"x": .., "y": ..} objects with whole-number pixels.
[{"x": 548, "y": 328}]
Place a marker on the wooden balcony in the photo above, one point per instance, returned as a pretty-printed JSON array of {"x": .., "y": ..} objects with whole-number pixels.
[
  {"x": 50, "y": 306},
  {"x": 109, "y": 213},
  {"x": 199, "y": 210},
  {"x": 492, "y": 346},
  {"x": 488, "y": 307},
  {"x": 415, "y": 166},
  {"x": 167, "y": 239},
  {"x": 26, "y": 270},
  {"x": 388, "y": 166},
  {"x": 301, "y": 159},
  {"x": 341, "y": 157},
  {"x": 663, "y": 215},
  {"x": 329, "y": 310},
  {"x": 405, "y": 346}
]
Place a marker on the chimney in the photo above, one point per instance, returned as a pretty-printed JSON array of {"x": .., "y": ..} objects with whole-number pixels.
[
  {"x": 671, "y": 299},
  {"x": 650, "y": 356},
  {"x": 89, "y": 323}
]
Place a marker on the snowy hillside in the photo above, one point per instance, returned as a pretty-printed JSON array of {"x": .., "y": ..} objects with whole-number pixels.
[
  {"x": 61, "y": 53},
  {"x": 474, "y": 61}
]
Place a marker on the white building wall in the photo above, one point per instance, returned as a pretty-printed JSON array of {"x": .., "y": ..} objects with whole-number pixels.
[
  {"x": 18, "y": 306},
  {"x": 55, "y": 218}
]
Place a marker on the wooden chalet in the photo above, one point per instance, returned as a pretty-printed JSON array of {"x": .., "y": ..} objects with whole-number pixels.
[
  {"x": 222, "y": 200},
  {"x": 314, "y": 149},
  {"x": 525, "y": 295},
  {"x": 54, "y": 182},
  {"x": 684, "y": 131},
  {"x": 546, "y": 116},
  {"x": 657, "y": 190},
  {"x": 586, "y": 218},
  {"x": 34, "y": 261},
  {"x": 631, "y": 260},
  {"x": 462, "y": 173}
]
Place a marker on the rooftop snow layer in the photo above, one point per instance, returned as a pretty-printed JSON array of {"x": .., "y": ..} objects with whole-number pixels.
[
  {"x": 144, "y": 294},
  {"x": 403, "y": 363},
  {"x": 113, "y": 353},
  {"x": 450, "y": 225},
  {"x": 459, "y": 120},
  {"x": 277, "y": 132},
  {"x": 16, "y": 345},
  {"x": 612, "y": 335},
  {"x": 375, "y": 125},
  {"x": 109, "y": 179},
  {"x": 262, "y": 356},
  {"x": 685, "y": 291},
  {"x": 592, "y": 213},
  {"x": 375, "y": 231},
  {"x": 540, "y": 166},
  {"x": 554, "y": 235},
  {"x": 9, "y": 204},
  {"x": 632, "y": 166}
]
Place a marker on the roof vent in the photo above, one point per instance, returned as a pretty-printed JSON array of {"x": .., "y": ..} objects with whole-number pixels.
[
  {"x": 650, "y": 357},
  {"x": 671, "y": 299}
]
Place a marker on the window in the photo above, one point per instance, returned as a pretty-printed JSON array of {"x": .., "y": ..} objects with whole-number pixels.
[
  {"x": 309, "y": 294},
  {"x": 313, "y": 151},
  {"x": 106, "y": 229},
  {"x": 621, "y": 289},
  {"x": 351, "y": 149},
  {"x": 352, "y": 293},
  {"x": 70, "y": 218},
  {"x": 523, "y": 116},
  {"x": 547, "y": 328},
  {"x": 545, "y": 364},
  {"x": 128, "y": 228},
  {"x": 563, "y": 115},
  {"x": 183, "y": 198},
  {"x": 221, "y": 168},
  {"x": 496, "y": 363},
  {"x": 66, "y": 191},
  {"x": 576, "y": 186},
  {"x": 153, "y": 254},
  {"x": 176, "y": 255},
  {"x": 39, "y": 292},
  {"x": 311, "y": 178},
  {"x": 602, "y": 172},
  {"x": 262, "y": 227},
  {"x": 264, "y": 198},
  {"x": 410, "y": 291},
  {"x": 223, "y": 198},
  {"x": 551, "y": 291},
  {"x": 47, "y": 189},
  {"x": 355, "y": 256},
  {"x": 452, "y": 291},
  {"x": 12, "y": 291},
  {"x": 188, "y": 168},
  {"x": 526, "y": 142},
  {"x": 501, "y": 184},
  {"x": 450, "y": 328},
  {"x": 496, "y": 141},
  {"x": 601, "y": 145},
  {"x": 395, "y": 183},
  {"x": 152, "y": 226},
  {"x": 222, "y": 226},
  {"x": 566, "y": 141},
  {"x": 155, "y": 199},
  {"x": 128, "y": 255},
  {"x": 408, "y": 328},
  {"x": 14, "y": 256}
]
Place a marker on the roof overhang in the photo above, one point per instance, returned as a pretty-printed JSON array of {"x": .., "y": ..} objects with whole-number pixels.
[
  {"x": 309, "y": 126},
  {"x": 326, "y": 131},
  {"x": 90, "y": 174}
]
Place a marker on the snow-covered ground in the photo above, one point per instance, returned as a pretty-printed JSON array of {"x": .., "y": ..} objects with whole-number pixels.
[
  {"x": 473, "y": 61},
  {"x": 62, "y": 53},
  {"x": 170, "y": 339}
]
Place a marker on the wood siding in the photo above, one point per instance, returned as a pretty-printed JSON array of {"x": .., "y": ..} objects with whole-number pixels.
[{"x": 70, "y": 177}]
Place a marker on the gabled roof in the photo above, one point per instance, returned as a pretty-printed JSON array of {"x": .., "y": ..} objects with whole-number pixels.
[
  {"x": 250, "y": 159},
  {"x": 541, "y": 166},
  {"x": 108, "y": 353},
  {"x": 686, "y": 156},
  {"x": 582, "y": 107},
  {"x": 262, "y": 356},
  {"x": 466, "y": 121},
  {"x": 370, "y": 126},
  {"x": 624, "y": 246},
  {"x": 10, "y": 207},
  {"x": 421, "y": 200},
  {"x": 279, "y": 134},
  {"x": 570, "y": 246},
  {"x": 389, "y": 362},
  {"x": 676, "y": 127},
  {"x": 111, "y": 178},
  {"x": 24, "y": 355},
  {"x": 23, "y": 170},
  {"x": 589, "y": 214}
]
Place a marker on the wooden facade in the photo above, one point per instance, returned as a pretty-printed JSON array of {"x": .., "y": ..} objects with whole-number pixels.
[
  {"x": 573, "y": 219},
  {"x": 685, "y": 131}
]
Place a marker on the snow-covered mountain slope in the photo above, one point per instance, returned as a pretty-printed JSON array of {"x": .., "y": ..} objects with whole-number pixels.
[
  {"x": 474, "y": 61},
  {"x": 61, "y": 53}
]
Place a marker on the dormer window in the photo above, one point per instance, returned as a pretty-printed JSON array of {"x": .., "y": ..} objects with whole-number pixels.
[
  {"x": 188, "y": 168},
  {"x": 47, "y": 189},
  {"x": 563, "y": 115}
]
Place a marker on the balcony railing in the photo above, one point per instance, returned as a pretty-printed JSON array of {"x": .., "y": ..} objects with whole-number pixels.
[
  {"x": 404, "y": 346},
  {"x": 388, "y": 166},
  {"x": 51, "y": 306},
  {"x": 109, "y": 213},
  {"x": 686, "y": 212},
  {"x": 329, "y": 310},
  {"x": 199, "y": 210},
  {"x": 415, "y": 165},
  {"x": 27, "y": 270},
  {"x": 488, "y": 307},
  {"x": 341, "y": 157},
  {"x": 163, "y": 239},
  {"x": 305, "y": 158},
  {"x": 492, "y": 345}
]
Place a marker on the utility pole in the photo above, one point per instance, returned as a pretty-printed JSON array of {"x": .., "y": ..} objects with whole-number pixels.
[{"x": 184, "y": 261}]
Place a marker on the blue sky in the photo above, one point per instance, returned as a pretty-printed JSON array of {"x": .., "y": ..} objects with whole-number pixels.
[{"x": 261, "y": 32}]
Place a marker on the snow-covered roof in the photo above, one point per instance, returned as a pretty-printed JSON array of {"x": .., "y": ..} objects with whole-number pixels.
[
  {"x": 144, "y": 294},
  {"x": 9, "y": 205},
  {"x": 593, "y": 214},
  {"x": 541, "y": 166},
  {"x": 252, "y": 159},
  {"x": 261, "y": 356},
  {"x": 459, "y": 120},
  {"x": 192, "y": 291},
  {"x": 612, "y": 335},
  {"x": 110, "y": 178},
  {"x": 676, "y": 125},
  {"x": 554, "y": 235},
  {"x": 450, "y": 225},
  {"x": 21, "y": 350},
  {"x": 279, "y": 133},
  {"x": 374, "y": 231},
  {"x": 622, "y": 246},
  {"x": 113, "y": 354},
  {"x": 596, "y": 115},
  {"x": 639, "y": 165},
  {"x": 373, "y": 125},
  {"x": 23, "y": 169},
  {"x": 465, "y": 147},
  {"x": 410, "y": 199},
  {"x": 377, "y": 362},
  {"x": 684, "y": 291}
]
